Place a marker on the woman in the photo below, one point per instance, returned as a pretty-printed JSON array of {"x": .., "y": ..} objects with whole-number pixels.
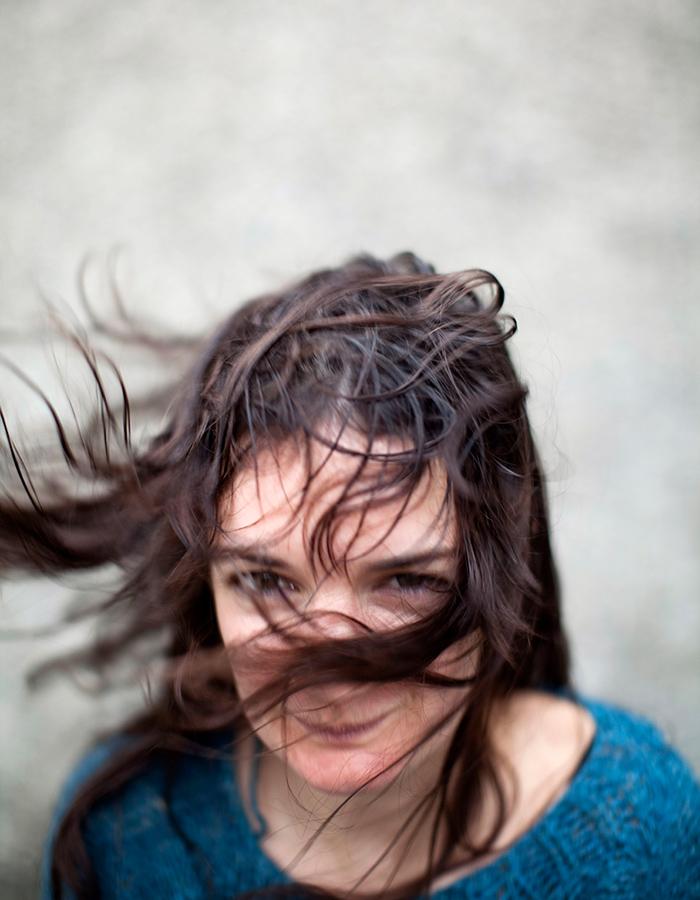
[{"x": 338, "y": 546}]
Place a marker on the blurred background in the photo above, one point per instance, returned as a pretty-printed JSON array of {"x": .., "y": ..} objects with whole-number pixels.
[{"x": 230, "y": 146}]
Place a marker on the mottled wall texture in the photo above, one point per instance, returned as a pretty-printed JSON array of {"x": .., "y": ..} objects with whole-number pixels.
[{"x": 227, "y": 146}]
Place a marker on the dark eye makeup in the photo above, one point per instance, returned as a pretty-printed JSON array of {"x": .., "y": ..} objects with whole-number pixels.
[
  {"x": 261, "y": 582},
  {"x": 265, "y": 583},
  {"x": 414, "y": 581}
]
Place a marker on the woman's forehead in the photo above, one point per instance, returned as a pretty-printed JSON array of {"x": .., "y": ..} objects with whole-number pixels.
[{"x": 268, "y": 506}]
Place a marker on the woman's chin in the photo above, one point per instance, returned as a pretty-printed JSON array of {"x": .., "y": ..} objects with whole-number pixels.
[
  {"x": 340, "y": 764},
  {"x": 342, "y": 771}
]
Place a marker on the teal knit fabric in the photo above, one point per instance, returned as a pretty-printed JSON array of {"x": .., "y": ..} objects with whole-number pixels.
[{"x": 627, "y": 826}]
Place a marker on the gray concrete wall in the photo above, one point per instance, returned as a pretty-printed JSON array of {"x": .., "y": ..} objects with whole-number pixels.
[{"x": 232, "y": 145}]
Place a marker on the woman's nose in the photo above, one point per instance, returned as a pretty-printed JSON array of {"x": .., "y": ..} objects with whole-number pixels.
[
  {"x": 336, "y": 625},
  {"x": 334, "y": 613}
]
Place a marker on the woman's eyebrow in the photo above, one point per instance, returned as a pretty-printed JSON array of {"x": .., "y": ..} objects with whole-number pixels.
[
  {"x": 250, "y": 554},
  {"x": 409, "y": 560},
  {"x": 256, "y": 554}
]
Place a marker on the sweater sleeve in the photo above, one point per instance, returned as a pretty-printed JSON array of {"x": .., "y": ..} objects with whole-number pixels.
[{"x": 84, "y": 770}]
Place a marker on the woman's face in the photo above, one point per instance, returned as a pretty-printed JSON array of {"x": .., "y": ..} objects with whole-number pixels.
[{"x": 339, "y": 735}]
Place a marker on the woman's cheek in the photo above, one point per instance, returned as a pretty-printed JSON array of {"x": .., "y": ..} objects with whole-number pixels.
[
  {"x": 238, "y": 623},
  {"x": 238, "y": 629},
  {"x": 250, "y": 646}
]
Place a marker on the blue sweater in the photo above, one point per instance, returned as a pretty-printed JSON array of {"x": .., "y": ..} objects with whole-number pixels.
[{"x": 627, "y": 826}]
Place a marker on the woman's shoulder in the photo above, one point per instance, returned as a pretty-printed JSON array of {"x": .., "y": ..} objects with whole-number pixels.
[
  {"x": 87, "y": 766},
  {"x": 569, "y": 725},
  {"x": 602, "y": 748},
  {"x": 643, "y": 796},
  {"x": 630, "y": 746},
  {"x": 97, "y": 759},
  {"x": 100, "y": 754},
  {"x": 624, "y": 820},
  {"x": 165, "y": 780},
  {"x": 629, "y": 737},
  {"x": 143, "y": 830}
]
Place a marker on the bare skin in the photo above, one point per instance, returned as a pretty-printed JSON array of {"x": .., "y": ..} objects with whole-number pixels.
[
  {"x": 543, "y": 738},
  {"x": 309, "y": 772}
]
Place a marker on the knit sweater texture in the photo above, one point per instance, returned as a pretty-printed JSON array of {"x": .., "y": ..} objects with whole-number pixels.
[{"x": 626, "y": 826}]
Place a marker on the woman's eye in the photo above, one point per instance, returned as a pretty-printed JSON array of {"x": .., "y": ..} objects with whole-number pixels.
[
  {"x": 408, "y": 595},
  {"x": 263, "y": 583},
  {"x": 411, "y": 582}
]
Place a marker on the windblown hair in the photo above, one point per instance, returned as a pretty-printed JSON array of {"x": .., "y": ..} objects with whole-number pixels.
[{"x": 379, "y": 348}]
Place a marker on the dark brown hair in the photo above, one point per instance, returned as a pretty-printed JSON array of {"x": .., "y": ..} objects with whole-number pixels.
[{"x": 386, "y": 348}]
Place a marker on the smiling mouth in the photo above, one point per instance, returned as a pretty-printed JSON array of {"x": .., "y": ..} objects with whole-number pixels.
[{"x": 341, "y": 733}]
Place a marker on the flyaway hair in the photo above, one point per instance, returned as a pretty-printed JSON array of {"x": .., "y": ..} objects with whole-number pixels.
[{"x": 381, "y": 349}]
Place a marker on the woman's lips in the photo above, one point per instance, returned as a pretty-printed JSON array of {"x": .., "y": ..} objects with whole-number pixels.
[{"x": 341, "y": 733}]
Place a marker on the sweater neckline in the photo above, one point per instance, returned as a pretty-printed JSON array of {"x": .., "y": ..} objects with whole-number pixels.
[{"x": 519, "y": 847}]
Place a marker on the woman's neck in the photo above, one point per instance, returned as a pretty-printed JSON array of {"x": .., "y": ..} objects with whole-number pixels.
[
  {"x": 535, "y": 736},
  {"x": 332, "y": 839}
]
